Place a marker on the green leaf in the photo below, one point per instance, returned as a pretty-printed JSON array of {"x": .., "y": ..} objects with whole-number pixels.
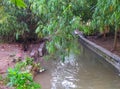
[{"x": 19, "y": 3}]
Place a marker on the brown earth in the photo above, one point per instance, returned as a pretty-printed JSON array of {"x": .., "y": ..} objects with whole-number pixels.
[
  {"x": 106, "y": 43},
  {"x": 10, "y": 51},
  {"x": 7, "y": 52}
]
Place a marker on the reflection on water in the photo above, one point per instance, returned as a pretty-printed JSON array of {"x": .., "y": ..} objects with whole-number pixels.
[{"x": 88, "y": 71}]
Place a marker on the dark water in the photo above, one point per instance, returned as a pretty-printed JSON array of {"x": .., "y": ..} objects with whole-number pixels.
[{"x": 87, "y": 71}]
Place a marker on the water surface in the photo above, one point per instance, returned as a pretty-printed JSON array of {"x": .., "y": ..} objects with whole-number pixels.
[{"x": 86, "y": 71}]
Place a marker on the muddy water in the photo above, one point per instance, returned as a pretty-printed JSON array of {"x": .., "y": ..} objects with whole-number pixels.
[{"x": 87, "y": 71}]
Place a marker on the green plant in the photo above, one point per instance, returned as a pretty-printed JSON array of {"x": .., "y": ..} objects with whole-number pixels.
[
  {"x": 29, "y": 61},
  {"x": 16, "y": 22},
  {"x": 21, "y": 79},
  {"x": 1, "y": 78},
  {"x": 19, "y": 3},
  {"x": 58, "y": 20},
  {"x": 107, "y": 13}
]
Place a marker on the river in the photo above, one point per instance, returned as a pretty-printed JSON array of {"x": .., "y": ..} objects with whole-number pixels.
[{"x": 86, "y": 71}]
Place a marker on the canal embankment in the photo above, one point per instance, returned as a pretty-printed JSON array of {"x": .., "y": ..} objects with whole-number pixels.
[{"x": 110, "y": 57}]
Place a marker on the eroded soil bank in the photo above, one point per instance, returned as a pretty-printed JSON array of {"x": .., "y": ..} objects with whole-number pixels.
[
  {"x": 8, "y": 53},
  {"x": 106, "y": 43}
]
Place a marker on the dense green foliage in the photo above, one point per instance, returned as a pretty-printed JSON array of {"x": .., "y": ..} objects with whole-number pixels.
[
  {"x": 16, "y": 22},
  {"x": 53, "y": 19},
  {"x": 107, "y": 14},
  {"x": 19, "y": 78},
  {"x": 57, "y": 19}
]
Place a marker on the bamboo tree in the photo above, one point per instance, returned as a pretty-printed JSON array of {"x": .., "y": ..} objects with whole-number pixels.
[{"x": 107, "y": 13}]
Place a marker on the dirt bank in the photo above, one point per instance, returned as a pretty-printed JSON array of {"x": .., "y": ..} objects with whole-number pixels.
[{"x": 106, "y": 43}]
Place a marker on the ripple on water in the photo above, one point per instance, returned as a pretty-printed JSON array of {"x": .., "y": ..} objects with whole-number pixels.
[
  {"x": 84, "y": 72},
  {"x": 64, "y": 75}
]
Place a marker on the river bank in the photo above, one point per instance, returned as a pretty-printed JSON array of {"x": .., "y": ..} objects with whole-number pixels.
[
  {"x": 106, "y": 43},
  {"x": 58, "y": 74}
]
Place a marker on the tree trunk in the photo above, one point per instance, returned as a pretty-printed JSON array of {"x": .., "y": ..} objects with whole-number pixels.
[
  {"x": 105, "y": 31},
  {"x": 104, "y": 34},
  {"x": 115, "y": 40}
]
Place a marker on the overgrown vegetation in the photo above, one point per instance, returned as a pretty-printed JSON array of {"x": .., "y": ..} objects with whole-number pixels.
[
  {"x": 20, "y": 76},
  {"x": 58, "y": 21},
  {"x": 17, "y": 23},
  {"x": 54, "y": 20},
  {"x": 107, "y": 14}
]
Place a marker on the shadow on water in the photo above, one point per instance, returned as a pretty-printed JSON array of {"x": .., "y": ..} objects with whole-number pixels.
[{"x": 86, "y": 71}]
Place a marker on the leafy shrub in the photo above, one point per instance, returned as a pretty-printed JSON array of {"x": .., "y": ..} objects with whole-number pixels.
[
  {"x": 21, "y": 79},
  {"x": 17, "y": 23}
]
